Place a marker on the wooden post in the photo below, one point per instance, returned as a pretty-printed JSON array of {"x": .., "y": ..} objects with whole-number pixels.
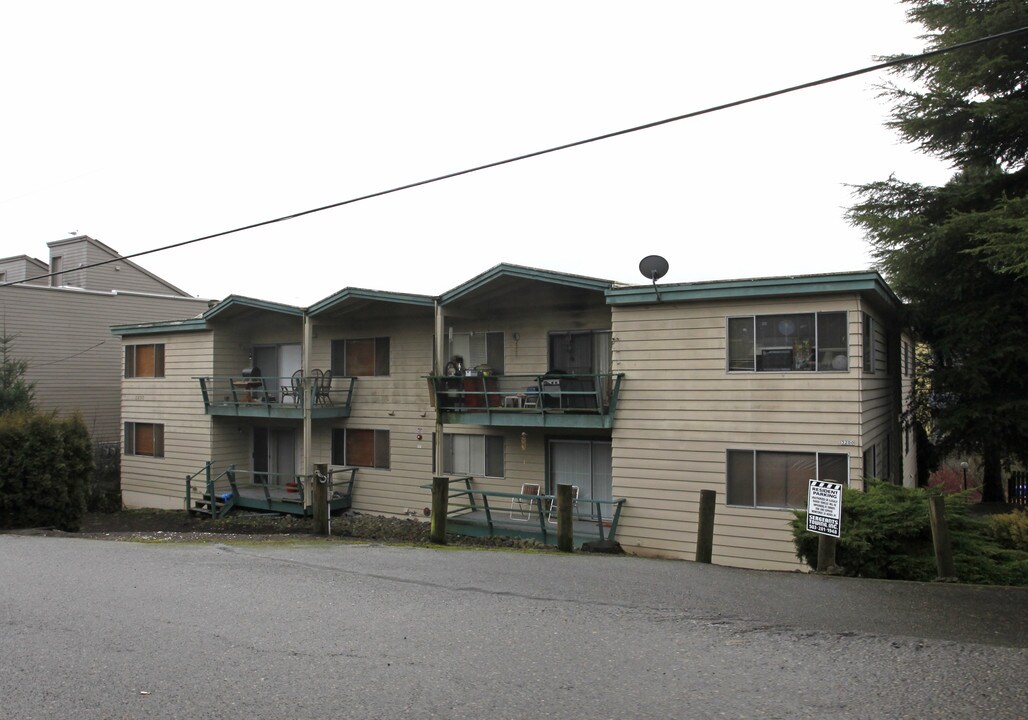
[
  {"x": 319, "y": 498},
  {"x": 705, "y": 527},
  {"x": 940, "y": 539},
  {"x": 565, "y": 527},
  {"x": 825, "y": 553},
  {"x": 440, "y": 502}
]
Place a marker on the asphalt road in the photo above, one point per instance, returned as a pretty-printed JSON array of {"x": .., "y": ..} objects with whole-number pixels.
[{"x": 94, "y": 629}]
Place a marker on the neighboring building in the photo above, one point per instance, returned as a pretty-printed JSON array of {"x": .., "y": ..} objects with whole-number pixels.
[
  {"x": 61, "y": 325},
  {"x": 525, "y": 376}
]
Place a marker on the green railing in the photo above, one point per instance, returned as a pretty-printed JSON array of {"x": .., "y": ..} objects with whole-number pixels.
[
  {"x": 205, "y": 496},
  {"x": 603, "y": 515},
  {"x": 580, "y": 393},
  {"x": 271, "y": 394}
]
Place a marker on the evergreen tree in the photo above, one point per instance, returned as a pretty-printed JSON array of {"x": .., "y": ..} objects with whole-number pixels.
[
  {"x": 959, "y": 253},
  {"x": 16, "y": 393}
]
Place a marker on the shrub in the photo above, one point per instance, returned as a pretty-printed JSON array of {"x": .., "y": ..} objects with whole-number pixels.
[
  {"x": 45, "y": 467},
  {"x": 1010, "y": 529},
  {"x": 886, "y": 533}
]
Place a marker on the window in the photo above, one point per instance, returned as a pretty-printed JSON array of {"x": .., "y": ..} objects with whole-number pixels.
[
  {"x": 779, "y": 479},
  {"x": 580, "y": 352},
  {"x": 360, "y": 448},
  {"x": 362, "y": 357},
  {"x": 144, "y": 361},
  {"x": 473, "y": 455},
  {"x": 479, "y": 348},
  {"x": 869, "y": 344},
  {"x": 144, "y": 439},
  {"x": 788, "y": 343}
]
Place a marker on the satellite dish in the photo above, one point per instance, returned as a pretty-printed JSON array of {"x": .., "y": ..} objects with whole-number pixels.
[{"x": 653, "y": 267}]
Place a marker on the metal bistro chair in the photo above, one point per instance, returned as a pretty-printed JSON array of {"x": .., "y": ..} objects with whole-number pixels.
[
  {"x": 521, "y": 508},
  {"x": 294, "y": 388},
  {"x": 322, "y": 395}
]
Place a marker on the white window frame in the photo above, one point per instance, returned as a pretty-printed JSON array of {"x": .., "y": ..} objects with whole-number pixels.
[
  {"x": 817, "y": 348},
  {"x": 481, "y": 453},
  {"x": 817, "y": 467}
]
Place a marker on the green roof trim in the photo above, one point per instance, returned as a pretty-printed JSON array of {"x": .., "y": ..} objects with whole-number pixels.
[
  {"x": 525, "y": 273},
  {"x": 163, "y": 327},
  {"x": 248, "y": 302},
  {"x": 864, "y": 282},
  {"x": 348, "y": 294}
]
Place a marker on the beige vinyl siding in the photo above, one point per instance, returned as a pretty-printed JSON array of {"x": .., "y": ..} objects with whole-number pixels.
[
  {"x": 528, "y": 356},
  {"x": 878, "y": 420},
  {"x": 908, "y": 452},
  {"x": 680, "y": 411},
  {"x": 398, "y": 402},
  {"x": 175, "y": 402},
  {"x": 74, "y": 360}
]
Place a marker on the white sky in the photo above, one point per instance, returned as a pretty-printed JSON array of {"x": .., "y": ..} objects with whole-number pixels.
[{"x": 143, "y": 125}]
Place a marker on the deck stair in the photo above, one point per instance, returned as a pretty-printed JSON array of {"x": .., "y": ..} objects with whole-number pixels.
[{"x": 216, "y": 496}]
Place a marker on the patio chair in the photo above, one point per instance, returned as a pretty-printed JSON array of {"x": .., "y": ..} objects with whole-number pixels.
[
  {"x": 521, "y": 507},
  {"x": 294, "y": 388},
  {"x": 322, "y": 395},
  {"x": 551, "y": 515}
]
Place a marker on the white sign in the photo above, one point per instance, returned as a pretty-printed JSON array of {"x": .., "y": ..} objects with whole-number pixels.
[{"x": 824, "y": 507}]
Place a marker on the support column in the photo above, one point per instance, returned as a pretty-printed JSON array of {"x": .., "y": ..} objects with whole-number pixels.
[
  {"x": 440, "y": 365},
  {"x": 306, "y": 461}
]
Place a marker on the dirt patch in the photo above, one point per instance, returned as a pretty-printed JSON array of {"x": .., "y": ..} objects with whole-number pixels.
[{"x": 180, "y": 526}]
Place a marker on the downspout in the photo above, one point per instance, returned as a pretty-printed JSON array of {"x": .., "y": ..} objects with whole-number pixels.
[
  {"x": 440, "y": 363},
  {"x": 305, "y": 452}
]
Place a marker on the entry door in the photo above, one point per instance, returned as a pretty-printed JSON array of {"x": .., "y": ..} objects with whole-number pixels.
[
  {"x": 274, "y": 455},
  {"x": 585, "y": 463}
]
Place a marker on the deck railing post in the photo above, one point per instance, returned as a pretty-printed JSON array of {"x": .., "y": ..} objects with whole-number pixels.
[
  {"x": 705, "y": 527},
  {"x": 319, "y": 495},
  {"x": 440, "y": 503},
  {"x": 565, "y": 528},
  {"x": 940, "y": 538}
]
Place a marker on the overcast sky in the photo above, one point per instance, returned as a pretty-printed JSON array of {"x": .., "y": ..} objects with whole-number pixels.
[{"x": 144, "y": 124}]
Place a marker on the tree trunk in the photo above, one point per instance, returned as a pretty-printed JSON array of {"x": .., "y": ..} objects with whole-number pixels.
[{"x": 992, "y": 480}]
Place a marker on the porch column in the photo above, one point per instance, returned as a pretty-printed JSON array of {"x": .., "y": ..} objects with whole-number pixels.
[
  {"x": 307, "y": 469},
  {"x": 440, "y": 363}
]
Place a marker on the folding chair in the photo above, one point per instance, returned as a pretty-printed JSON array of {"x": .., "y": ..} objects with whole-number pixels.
[
  {"x": 551, "y": 515},
  {"x": 520, "y": 507}
]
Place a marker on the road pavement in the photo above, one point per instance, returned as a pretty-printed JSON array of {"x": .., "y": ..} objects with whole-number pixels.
[{"x": 94, "y": 629}]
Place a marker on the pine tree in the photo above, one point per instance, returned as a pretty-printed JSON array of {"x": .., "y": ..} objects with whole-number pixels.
[
  {"x": 16, "y": 393},
  {"x": 959, "y": 253}
]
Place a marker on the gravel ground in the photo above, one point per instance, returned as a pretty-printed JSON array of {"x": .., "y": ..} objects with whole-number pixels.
[{"x": 179, "y": 526}]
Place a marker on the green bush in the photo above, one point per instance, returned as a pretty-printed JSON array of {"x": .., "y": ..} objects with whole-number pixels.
[
  {"x": 886, "y": 533},
  {"x": 1010, "y": 529},
  {"x": 45, "y": 468}
]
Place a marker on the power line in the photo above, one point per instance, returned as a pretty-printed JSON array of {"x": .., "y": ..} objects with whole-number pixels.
[{"x": 894, "y": 62}]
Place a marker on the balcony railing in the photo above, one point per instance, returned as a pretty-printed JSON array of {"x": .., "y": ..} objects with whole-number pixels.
[
  {"x": 564, "y": 400},
  {"x": 276, "y": 397}
]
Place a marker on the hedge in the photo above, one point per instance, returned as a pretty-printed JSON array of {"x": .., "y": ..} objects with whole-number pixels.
[
  {"x": 886, "y": 533},
  {"x": 46, "y": 464}
]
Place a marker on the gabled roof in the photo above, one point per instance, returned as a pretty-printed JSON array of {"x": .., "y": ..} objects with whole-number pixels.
[
  {"x": 240, "y": 302},
  {"x": 162, "y": 327},
  {"x": 353, "y": 297},
  {"x": 506, "y": 270},
  {"x": 115, "y": 255},
  {"x": 866, "y": 282}
]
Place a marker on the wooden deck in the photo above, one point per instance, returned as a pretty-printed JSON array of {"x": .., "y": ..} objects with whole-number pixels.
[{"x": 483, "y": 513}]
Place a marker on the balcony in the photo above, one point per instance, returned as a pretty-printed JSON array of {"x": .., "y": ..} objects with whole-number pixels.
[
  {"x": 277, "y": 397},
  {"x": 560, "y": 401}
]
